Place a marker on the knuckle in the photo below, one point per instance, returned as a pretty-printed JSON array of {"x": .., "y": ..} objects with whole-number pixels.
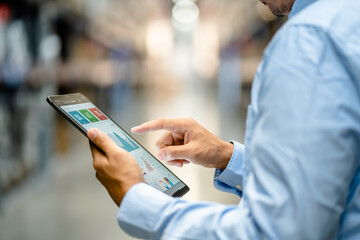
[
  {"x": 168, "y": 137},
  {"x": 100, "y": 140},
  {"x": 160, "y": 120},
  {"x": 97, "y": 176},
  {"x": 190, "y": 121},
  {"x": 170, "y": 154},
  {"x": 96, "y": 165},
  {"x": 158, "y": 145}
]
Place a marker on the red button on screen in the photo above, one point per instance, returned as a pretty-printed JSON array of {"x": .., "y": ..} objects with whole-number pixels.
[{"x": 97, "y": 113}]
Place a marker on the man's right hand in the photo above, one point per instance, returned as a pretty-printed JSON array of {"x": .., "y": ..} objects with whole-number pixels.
[{"x": 187, "y": 141}]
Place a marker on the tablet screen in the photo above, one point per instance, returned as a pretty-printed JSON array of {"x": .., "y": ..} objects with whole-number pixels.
[{"x": 155, "y": 173}]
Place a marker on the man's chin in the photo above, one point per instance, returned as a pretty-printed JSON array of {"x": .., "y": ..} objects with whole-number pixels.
[{"x": 276, "y": 12}]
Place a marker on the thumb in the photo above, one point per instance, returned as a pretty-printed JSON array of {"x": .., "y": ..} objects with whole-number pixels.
[
  {"x": 175, "y": 152},
  {"x": 102, "y": 140}
]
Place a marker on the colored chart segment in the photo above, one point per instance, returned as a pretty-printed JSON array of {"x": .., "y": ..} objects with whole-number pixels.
[
  {"x": 89, "y": 115},
  {"x": 98, "y": 114},
  {"x": 79, "y": 117},
  {"x": 168, "y": 181},
  {"x": 124, "y": 142},
  {"x": 147, "y": 165},
  {"x": 163, "y": 184}
]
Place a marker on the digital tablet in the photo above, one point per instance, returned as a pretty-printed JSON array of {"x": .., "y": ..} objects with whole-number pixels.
[{"x": 83, "y": 114}]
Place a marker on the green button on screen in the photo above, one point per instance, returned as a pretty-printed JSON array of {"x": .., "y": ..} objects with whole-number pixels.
[{"x": 89, "y": 115}]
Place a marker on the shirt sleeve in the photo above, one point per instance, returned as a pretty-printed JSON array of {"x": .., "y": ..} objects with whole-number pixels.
[
  {"x": 302, "y": 155},
  {"x": 231, "y": 179},
  {"x": 150, "y": 214}
]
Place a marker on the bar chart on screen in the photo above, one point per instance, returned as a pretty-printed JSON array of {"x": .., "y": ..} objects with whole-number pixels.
[
  {"x": 154, "y": 174},
  {"x": 123, "y": 141}
]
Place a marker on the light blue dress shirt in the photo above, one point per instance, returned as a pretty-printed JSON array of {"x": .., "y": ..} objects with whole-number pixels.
[{"x": 298, "y": 172}]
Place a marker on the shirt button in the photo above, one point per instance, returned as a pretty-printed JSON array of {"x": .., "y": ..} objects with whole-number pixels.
[{"x": 238, "y": 187}]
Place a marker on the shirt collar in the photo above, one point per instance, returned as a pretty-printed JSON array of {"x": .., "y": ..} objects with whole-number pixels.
[{"x": 300, "y": 5}]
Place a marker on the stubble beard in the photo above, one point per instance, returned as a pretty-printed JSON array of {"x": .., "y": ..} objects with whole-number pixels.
[{"x": 282, "y": 10}]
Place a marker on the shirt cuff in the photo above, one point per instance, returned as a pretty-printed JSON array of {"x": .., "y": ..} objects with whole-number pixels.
[
  {"x": 231, "y": 179},
  {"x": 138, "y": 217}
]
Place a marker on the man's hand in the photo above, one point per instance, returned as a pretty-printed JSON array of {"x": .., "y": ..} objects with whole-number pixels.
[
  {"x": 186, "y": 141},
  {"x": 115, "y": 168}
]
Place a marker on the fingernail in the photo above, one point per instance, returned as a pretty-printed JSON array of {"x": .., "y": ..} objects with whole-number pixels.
[
  {"x": 134, "y": 128},
  {"x": 92, "y": 134}
]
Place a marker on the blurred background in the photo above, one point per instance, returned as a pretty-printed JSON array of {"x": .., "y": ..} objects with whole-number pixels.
[{"x": 136, "y": 60}]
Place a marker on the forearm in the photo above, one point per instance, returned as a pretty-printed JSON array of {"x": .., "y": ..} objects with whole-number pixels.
[{"x": 163, "y": 217}]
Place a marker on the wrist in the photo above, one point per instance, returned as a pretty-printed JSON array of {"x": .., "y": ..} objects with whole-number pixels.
[
  {"x": 125, "y": 184},
  {"x": 227, "y": 149},
  {"x": 120, "y": 194}
]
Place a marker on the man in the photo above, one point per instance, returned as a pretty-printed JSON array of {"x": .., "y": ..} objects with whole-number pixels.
[{"x": 298, "y": 172}]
